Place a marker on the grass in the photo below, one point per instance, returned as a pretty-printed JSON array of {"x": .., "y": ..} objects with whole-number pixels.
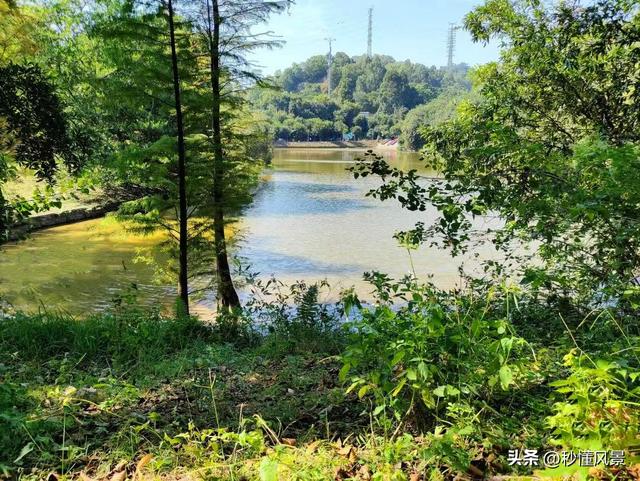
[
  {"x": 134, "y": 395},
  {"x": 25, "y": 184},
  {"x": 87, "y": 396}
]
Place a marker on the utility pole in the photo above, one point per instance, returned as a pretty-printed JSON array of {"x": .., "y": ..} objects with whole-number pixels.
[
  {"x": 451, "y": 44},
  {"x": 330, "y": 61},
  {"x": 370, "y": 35}
]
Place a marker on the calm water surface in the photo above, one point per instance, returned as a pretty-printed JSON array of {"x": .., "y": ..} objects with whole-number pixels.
[{"x": 310, "y": 220}]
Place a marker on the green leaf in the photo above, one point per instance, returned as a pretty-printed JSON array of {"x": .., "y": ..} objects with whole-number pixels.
[
  {"x": 439, "y": 391},
  {"x": 506, "y": 377},
  {"x": 23, "y": 452},
  {"x": 423, "y": 370},
  {"x": 363, "y": 391},
  {"x": 398, "y": 388},
  {"x": 342, "y": 375},
  {"x": 399, "y": 356},
  {"x": 268, "y": 470}
]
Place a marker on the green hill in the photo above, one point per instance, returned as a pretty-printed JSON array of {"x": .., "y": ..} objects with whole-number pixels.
[{"x": 370, "y": 98}]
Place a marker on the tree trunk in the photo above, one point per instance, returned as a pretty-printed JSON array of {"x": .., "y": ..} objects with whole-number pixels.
[
  {"x": 182, "y": 173},
  {"x": 226, "y": 290}
]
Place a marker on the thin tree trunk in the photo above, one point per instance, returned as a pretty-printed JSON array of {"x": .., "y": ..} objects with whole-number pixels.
[
  {"x": 182, "y": 172},
  {"x": 226, "y": 290}
]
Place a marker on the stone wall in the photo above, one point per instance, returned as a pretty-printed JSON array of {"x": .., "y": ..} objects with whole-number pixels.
[{"x": 44, "y": 221}]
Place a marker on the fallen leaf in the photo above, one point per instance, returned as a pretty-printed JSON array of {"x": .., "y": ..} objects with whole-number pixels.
[
  {"x": 85, "y": 477},
  {"x": 345, "y": 451},
  {"x": 475, "y": 471},
  {"x": 353, "y": 456},
  {"x": 313, "y": 447},
  {"x": 289, "y": 441},
  {"x": 144, "y": 460},
  {"x": 119, "y": 476},
  {"x": 595, "y": 473},
  {"x": 364, "y": 473},
  {"x": 340, "y": 474}
]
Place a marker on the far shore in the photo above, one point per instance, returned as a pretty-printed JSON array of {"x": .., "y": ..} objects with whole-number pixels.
[{"x": 338, "y": 144}]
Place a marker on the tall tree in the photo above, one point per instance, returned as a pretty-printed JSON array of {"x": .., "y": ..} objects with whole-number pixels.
[
  {"x": 33, "y": 126},
  {"x": 33, "y": 134},
  {"x": 182, "y": 169},
  {"x": 143, "y": 85},
  {"x": 229, "y": 38}
]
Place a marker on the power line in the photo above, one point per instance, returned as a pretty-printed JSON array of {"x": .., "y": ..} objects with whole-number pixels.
[
  {"x": 451, "y": 44},
  {"x": 330, "y": 61},
  {"x": 370, "y": 34}
]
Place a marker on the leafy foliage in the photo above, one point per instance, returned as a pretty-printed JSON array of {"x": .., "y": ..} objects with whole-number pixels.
[
  {"x": 371, "y": 97},
  {"x": 549, "y": 146},
  {"x": 419, "y": 350},
  {"x": 34, "y": 116},
  {"x": 599, "y": 410},
  {"x": 33, "y": 134}
]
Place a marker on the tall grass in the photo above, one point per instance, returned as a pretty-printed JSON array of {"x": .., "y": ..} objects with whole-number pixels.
[{"x": 123, "y": 339}]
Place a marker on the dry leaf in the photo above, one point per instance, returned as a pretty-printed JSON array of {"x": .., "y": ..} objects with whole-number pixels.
[
  {"x": 144, "y": 460},
  {"x": 476, "y": 471},
  {"x": 345, "y": 451},
  {"x": 85, "y": 477},
  {"x": 353, "y": 455},
  {"x": 119, "y": 476},
  {"x": 364, "y": 473},
  {"x": 340, "y": 474},
  {"x": 313, "y": 447},
  {"x": 414, "y": 476},
  {"x": 289, "y": 441}
]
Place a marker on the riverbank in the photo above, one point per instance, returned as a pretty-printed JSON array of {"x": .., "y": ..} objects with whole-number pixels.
[
  {"x": 64, "y": 217},
  {"x": 359, "y": 144},
  {"x": 356, "y": 144}
]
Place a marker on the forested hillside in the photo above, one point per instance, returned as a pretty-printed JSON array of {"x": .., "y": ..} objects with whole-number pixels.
[{"x": 370, "y": 98}]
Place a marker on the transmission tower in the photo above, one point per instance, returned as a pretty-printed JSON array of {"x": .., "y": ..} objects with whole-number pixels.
[
  {"x": 330, "y": 62},
  {"x": 451, "y": 44},
  {"x": 370, "y": 35}
]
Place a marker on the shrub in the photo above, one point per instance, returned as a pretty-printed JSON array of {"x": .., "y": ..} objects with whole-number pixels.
[
  {"x": 599, "y": 404},
  {"x": 419, "y": 350},
  {"x": 294, "y": 319}
]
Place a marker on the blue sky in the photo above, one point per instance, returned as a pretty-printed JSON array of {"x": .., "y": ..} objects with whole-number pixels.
[{"x": 405, "y": 29}]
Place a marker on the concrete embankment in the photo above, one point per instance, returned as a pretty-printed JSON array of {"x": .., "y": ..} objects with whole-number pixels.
[
  {"x": 338, "y": 144},
  {"x": 44, "y": 221}
]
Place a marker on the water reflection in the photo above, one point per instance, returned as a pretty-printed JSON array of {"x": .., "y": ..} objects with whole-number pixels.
[
  {"x": 295, "y": 194},
  {"x": 313, "y": 221},
  {"x": 310, "y": 220}
]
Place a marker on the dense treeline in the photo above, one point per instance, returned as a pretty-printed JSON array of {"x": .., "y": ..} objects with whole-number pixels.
[{"x": 370, "y": 98}]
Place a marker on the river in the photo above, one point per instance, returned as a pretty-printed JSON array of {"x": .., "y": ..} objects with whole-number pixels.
[{"x": 310, "y": 220}]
